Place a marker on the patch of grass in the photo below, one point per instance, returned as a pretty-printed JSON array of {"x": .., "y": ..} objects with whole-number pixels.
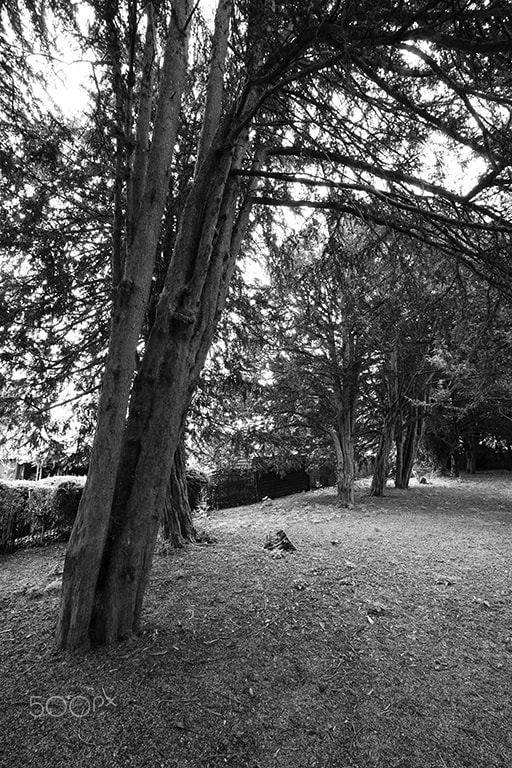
[{"x": 384, "y": 640}]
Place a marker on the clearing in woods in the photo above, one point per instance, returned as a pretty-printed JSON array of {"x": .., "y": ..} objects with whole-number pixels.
[{"x": 384, "y": 640}]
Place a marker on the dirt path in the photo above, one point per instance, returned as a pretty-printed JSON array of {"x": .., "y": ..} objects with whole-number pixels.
[{"x": 384, "y": 640}]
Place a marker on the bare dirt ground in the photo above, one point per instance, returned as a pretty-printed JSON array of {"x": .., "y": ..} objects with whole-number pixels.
[{"x": 385, "y": 640}]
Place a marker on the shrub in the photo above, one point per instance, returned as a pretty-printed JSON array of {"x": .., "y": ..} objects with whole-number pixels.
[
  {"x": 34, "y": 512},
  {"x": 14, "y": 496}
]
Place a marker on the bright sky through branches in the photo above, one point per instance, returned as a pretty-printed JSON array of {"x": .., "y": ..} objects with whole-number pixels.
[{"x": 72, "y": 73}]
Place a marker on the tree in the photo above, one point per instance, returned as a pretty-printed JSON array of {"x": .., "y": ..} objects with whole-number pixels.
[
  {"x": 418, "y": 290},
  {"x": 470, "y": 397},
  {"x": 177, "y": 515},
  {"x": 189, "y": 305},
  {"x": 328, "y": 282},
  {"x": 53, "y": 239}
]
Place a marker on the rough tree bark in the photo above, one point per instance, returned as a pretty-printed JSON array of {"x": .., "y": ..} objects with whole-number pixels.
[
  {"x": 175, "y": 353},
  {"x": 177, "y": 513},
  {"x": 407, "y": 441},
  {"x": 345, "y": 466},
  {"x": 346, "y": 397},
  {"x": 381, "y": 471}
]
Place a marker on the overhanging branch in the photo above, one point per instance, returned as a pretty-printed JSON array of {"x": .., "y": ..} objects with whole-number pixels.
[{"x": 446, "y": 235}]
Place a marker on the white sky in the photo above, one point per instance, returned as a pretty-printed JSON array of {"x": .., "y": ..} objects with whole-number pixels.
[{"x": 73, "y": 73}]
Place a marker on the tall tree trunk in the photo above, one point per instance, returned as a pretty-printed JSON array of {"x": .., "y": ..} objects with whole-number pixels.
[
  {"x": 141, "y": 450},
  {"x": 152, "y": 436},
  {"x": 381, "y": 471},
  {"x": 346, "y": 397},
  {"x": 177, "y": 514},
  {"x": 345, "y": 466},
  {"x": 400, "y": 441},
  {"x": 413, "y": 440},
  {"x": 471, "y": 456},
  {"x": 185, "y": 321},
  {"x": 85, "y": 549},
  {"x": 407, "y": 448}
]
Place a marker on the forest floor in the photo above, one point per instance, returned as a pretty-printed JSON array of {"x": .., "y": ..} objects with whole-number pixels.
[{"x": 384, "y": 640}]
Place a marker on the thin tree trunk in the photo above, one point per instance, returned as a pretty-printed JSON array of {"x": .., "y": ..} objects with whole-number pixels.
[
  {"x": 411, "y": 450},
  {"x": 471, "y": 465},
  {"x": 117, "y": 257},
  {"x": 400, "y": 441},
  {"x": 407, "y": 449},
  {"x": 137, "y": 180},
  {"x": 177, "y": 514},
  {"x": 381, "y": 471}
]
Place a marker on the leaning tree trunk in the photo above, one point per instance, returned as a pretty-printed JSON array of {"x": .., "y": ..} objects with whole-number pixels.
[
  {"x": 156, "y": 420},
  {"x": 201, "y": 267},
  {"x": 85, "y": 548},
  {"x": 187, "y": 313},
  {"x": 177, "y": 514}
]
